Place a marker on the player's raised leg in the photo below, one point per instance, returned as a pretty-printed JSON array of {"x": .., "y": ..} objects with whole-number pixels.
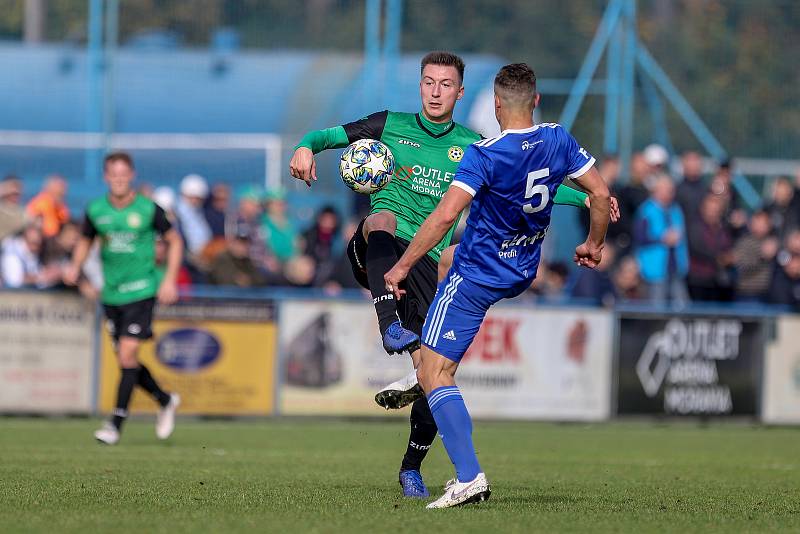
[
  {"x": 406, "y": 390},
  {"x": 379, "y": 231}
]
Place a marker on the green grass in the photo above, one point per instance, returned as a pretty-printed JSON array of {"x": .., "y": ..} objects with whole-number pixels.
[{"x": 334, "y": 476}]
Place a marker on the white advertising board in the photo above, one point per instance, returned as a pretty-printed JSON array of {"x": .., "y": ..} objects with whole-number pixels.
[
  {"x": 46, "y": 353},
  {"x": 552, "y": 364},
  {"x": 781, "y": 386}
]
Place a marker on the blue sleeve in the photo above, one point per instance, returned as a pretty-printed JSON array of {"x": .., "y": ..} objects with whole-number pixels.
[
  {"x": 578, "y": 160},
  {"x": 472, "y": 173}
]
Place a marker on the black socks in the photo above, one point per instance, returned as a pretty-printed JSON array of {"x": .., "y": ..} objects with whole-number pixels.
[
  {"x": 423, "y": 432},
  {"x": 129, "y": 379},
  {"x": 148, "y": 383},
  {"x": 381, "y": 256}
]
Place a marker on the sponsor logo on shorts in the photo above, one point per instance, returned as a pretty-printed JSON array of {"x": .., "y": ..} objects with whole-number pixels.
[
  {"x": 450, "y": 335},
  {"x": 134, "y": 329}
]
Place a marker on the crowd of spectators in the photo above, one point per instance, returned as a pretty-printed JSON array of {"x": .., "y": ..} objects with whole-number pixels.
[{"x": 684, "y": 236}]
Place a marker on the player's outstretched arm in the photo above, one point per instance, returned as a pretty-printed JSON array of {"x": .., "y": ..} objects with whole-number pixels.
[
  {"x": 590, "y": 252},
  {"x": 302, "y": 166},
  {"x": 438, "y": 223}
]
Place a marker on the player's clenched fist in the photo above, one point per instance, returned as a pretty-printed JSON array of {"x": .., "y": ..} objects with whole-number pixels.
[
  {"x": 588, "y": 255},
  {"x": 303, "y": 167}
]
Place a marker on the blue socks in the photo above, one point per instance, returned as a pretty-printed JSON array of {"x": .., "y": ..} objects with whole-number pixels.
[{"x": 455, "y": 427}]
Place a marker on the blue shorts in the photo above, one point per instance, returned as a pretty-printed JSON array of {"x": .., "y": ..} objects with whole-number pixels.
[{"x": 457, "y": 311}]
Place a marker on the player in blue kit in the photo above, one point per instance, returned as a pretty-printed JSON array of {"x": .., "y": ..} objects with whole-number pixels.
[{"x": 510, "y": 180}]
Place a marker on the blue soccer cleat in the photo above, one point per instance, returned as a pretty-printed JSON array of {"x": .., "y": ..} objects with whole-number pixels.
[
  {"x": 397, "y": 339},
  {"x": 412, "y": 484}
]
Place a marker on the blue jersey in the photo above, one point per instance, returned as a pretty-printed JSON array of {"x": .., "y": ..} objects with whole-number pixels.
[{"x": 513, "y": 178}]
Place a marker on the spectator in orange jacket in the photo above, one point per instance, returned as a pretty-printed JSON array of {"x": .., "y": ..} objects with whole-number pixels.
[{"x": 49, "y": 205}]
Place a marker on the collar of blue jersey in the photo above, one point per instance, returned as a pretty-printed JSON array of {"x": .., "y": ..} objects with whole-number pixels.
[
  {"x": 521, "y": 130},
  {"x": 434, "y": 129}
]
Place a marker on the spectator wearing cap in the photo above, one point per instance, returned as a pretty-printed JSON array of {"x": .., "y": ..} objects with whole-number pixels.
[
  {"x": 12, "y": 214},
  {"x": 754, "y": 254},
  {"x": 657, "y": 158},
  {"x": 691, "y": 190},
  {"x": 49, "y": 205},
  {"x": 282, "y": 235},
  {"x": 233, "y": 266},
  {"x": 189, "y": 211},
  {"x": 660, "y": 239}
]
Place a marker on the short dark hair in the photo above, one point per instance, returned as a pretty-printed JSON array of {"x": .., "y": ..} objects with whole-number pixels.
[
  {"x": 516, "y": 83},
  {"x": 118, "y": 156},
  {"x": 445, "y": 59}
]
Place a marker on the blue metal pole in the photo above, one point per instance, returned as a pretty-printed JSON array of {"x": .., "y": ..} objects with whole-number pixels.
[
  {"x": 590, "y": 62},
  {"x": 656, "y": 108},
  {"x": 372, "y": 50},
  {"x": 391, "y": 49},
  {"x": 693, "y": 120},
  {"x": 627, "y": 92},
  {"x": 112, "y": 31},
  {"x": 613, "y": 79},
  {"x": 94, "y": 101}
]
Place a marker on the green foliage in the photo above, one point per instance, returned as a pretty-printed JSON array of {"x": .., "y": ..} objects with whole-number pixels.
[
  {"x": 735, "y": 60},
  {"x": 336, "y": 476}
]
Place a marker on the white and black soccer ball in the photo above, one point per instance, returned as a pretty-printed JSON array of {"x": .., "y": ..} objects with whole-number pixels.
[{"x": 366, "y": 166}]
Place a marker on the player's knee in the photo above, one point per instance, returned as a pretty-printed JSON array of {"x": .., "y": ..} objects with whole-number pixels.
[
  {"x": 382, "y": 221},
  {"x": 427, "y": 377},
  {"x": 127, "y": 353},
  {"x": 446, "y": 261}
]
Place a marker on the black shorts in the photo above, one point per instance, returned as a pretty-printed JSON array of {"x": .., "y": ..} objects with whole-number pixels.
[
  {"x": 420, "y": 285},
  {"x": 130, "y": 320}
]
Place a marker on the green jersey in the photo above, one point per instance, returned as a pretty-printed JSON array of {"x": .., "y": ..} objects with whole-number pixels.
[
  {"x": 426, "y": 156},
  {"x": 127, "y": 247}
]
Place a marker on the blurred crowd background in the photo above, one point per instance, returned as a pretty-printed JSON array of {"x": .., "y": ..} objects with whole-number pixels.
[
  {"x": 684, "y": 236},
  {"x": 146, "y": 76}
]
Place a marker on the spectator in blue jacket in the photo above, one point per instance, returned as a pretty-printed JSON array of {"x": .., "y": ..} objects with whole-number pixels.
[{"x": 661, "y": 248}]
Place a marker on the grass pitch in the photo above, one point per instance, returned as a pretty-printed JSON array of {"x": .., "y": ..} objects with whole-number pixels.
[{"x": 336, "y": 476}]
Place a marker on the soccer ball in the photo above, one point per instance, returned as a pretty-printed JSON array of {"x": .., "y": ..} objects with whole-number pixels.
[{"x": 366, "y": 166}]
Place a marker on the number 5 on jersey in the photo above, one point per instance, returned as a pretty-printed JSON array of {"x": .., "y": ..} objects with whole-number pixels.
[{"x": 532, "y": 188}]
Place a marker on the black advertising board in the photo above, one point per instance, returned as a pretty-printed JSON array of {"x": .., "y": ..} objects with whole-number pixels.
[{"x": 689, "y": 365}]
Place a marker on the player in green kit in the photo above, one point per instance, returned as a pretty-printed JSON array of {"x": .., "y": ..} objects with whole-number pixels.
[
  {"x": 127, "y": 225},
  {"x": 427, "y": 147}
]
